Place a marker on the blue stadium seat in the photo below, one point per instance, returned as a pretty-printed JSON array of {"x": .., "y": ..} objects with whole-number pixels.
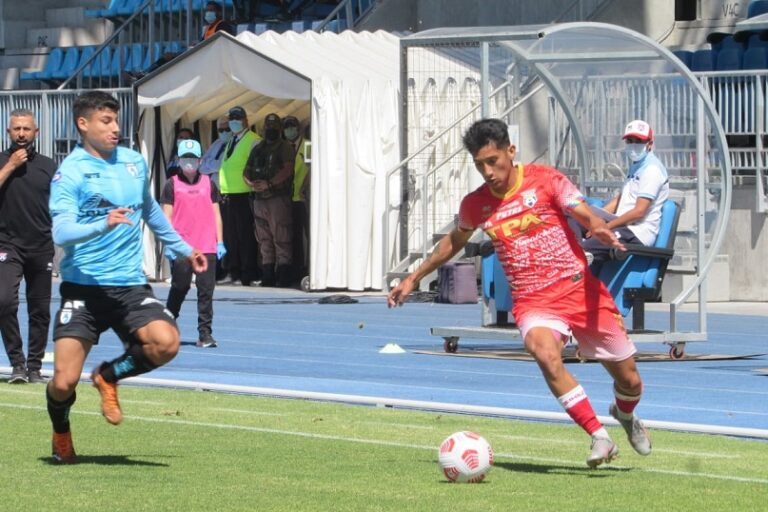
[
  {"x": 100, "y": 67},
  {"x": 299, "y": 26},
  {"x": 496, "y": 287},
  {"x": 756, "y": 8},
  {"x": 68, "y": 65},
  {"x": 686, "y": 56},
  {"x": 729, "y": 59},
  {"x": 756, "y": 57},
  {"x": 151, "y": 57},
  {"x": 55, "y": 58},
  {"x": 121, "y": 60},
  {"x": 703, "y": 60},
  {"x": 637, "y": 278},
  {"x": 756, "y": 40}
]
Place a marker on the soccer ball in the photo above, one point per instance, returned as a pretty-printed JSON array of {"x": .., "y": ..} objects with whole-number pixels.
[{"x": 465, "y": 457}]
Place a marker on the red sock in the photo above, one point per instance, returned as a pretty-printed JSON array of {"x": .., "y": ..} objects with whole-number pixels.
[
  {"x": 626, "y": 403},
  {"x": 576, "y": 404}
]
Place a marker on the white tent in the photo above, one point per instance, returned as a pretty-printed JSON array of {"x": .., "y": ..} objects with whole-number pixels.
[{"x": 346, "y": 84}]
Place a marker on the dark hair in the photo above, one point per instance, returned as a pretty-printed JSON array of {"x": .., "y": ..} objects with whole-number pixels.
[
  {"x": 215, "y": 5},
  {"x": 484, "y": 132},
  {"x": 89, "y": 101}
]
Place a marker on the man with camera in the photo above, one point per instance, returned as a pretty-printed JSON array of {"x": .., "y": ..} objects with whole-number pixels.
[{"x": 26, "y": 245}]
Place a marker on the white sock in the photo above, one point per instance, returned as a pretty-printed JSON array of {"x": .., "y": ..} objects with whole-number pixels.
[{"x": 602, "y": 433}]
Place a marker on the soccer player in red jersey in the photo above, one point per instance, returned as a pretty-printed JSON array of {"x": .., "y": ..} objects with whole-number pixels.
[{"x": 524, "y": 209}]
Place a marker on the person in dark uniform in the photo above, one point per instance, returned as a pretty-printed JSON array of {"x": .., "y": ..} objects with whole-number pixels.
[{"x": 26, "y": 246}]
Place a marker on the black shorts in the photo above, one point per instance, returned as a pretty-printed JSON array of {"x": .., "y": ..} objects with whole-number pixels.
[{"x": 87, "y": 311}]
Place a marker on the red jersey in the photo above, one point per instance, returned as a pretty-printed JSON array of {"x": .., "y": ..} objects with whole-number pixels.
[{"x": 529, "y": 228}]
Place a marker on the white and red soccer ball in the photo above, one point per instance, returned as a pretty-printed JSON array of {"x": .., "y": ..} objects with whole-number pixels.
[{"x": 465, "y": 457}]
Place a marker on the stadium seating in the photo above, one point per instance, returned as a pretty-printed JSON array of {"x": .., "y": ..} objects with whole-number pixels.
[
  {"x": 729, "y": 59},
  {"x": 55, "y": 58},
  {"x": 68, "y": 65},
  {"x": 686, "y": 56},
  {"x": 703, "y": 60},
  {"x": 756, "y": 57},
  {"x": 756, "y": 8}
]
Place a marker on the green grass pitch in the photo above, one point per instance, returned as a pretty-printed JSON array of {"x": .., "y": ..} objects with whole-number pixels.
[{"x": 190, "y": 451}]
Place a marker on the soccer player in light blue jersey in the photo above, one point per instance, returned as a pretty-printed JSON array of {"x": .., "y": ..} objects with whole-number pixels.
[{"x": 98, "y": 198}]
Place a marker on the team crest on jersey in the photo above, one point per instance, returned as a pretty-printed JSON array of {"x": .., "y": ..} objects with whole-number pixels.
[
  {"x": 132, "y": 170},
  {"x": 56, "y": 177},
  {"x": 529, "y": 198},
  {"x": 3, "y": 256}
]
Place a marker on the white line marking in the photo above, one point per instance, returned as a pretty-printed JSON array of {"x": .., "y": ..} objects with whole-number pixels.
[
  {"x": 381, "y": 442},
  {"x": 246, "y": 411}
]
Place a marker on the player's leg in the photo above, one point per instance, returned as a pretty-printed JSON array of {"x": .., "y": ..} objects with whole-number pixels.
[
  {"x": 37, "y": 274},
  {"x": 69, "y": 358},
  {"x": 206, "y": 283},
  {"x": 11, "y": 272},
  {"x": 628, "y": 388},
  {"x": 151, "y": 339},
  {"x": 545, "y": 345},
  {"x": 181, "y": 280}
]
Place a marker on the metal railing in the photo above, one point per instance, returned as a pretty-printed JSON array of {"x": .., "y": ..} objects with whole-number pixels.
[{"x": 346, "y": 15}]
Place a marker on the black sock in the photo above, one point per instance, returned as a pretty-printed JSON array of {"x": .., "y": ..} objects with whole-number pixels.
[
  {"x": 133, "y": 362},
  {"x": 59, "y": 411}
]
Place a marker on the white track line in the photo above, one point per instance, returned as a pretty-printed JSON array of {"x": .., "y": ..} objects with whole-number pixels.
[{"x": 381, "y": 442}]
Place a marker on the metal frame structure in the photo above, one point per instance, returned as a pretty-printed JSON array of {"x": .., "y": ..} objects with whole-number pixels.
[{"x": 574, "y": 56}]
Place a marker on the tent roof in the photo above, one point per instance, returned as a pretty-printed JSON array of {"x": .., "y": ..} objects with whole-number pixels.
[{"x": 218, "y": 74}]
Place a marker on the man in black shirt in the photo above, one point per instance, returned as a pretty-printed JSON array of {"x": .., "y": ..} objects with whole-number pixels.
[{"x": 26, "y": 245}]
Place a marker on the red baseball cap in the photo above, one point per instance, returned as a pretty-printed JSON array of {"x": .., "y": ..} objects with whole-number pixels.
[{"x": 638, "y": 129}]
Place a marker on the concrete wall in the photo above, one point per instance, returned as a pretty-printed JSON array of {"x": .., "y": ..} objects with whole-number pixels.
[{"x": 746, "y": 245}]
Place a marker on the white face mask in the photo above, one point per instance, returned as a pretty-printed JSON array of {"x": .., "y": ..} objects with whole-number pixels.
[
  {"x": 636, "y": 152},
  {"x": 225, "y": 136},
  {"x": 210, "y": 17},
  {"x": 189, "y": 166}
]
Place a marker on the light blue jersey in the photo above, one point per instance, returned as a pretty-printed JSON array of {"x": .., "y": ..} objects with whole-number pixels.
[{"x": 83, "y": 192}]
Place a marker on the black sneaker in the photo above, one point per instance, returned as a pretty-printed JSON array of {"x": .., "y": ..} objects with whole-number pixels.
[
  {"x": 35, "y": 377},
  {"x": 206, "y": 341},
  {"x": 18, "y": 375}
]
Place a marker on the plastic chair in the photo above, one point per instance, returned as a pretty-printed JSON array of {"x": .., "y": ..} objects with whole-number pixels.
[
  {"x": 151, "y": 56},
  {"x": 703, "y": 60},
  {"x": 55, "y": 58},
  {"x": 756, "y": 8},
  {"x": 68, "y": 65},
  {"x": 635, "y": 276},
  {"x": 495, "y": 286},
  {"x": 100, "y": 67},
  {"x": 756, "y": 57},
  {"x": 729, "y": 59},
  {"x": 685, "y": 56}
]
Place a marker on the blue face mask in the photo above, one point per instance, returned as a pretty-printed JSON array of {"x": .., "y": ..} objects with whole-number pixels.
[
  {"x": 210, "y": 17},
  {"x": 636, "y": 152},
  {"x": 225, "y": 136},
  {"x": 235, "y": 125}
]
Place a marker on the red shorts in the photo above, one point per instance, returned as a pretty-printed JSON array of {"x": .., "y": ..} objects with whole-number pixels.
[{"x": 582, "y": 307}]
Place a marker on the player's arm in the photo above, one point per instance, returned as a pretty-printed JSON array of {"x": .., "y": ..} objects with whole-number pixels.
[
  {"x": 611, "y": 205},
  {"x": 446, "y": 249},
  {"x": 16, "y": 160},
  {"x": 595, "y": 225},
  {"x": 633, "y": 215}
]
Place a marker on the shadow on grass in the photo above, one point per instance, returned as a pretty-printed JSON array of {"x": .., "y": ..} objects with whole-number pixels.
[
  {"x": 527, "y": 467},
  {"x": 109, "y": 460}
]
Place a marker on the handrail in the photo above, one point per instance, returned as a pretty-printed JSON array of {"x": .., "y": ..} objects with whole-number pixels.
[
  {"x": 349, "y": 13},
  {"x": 434, "y": 139}
]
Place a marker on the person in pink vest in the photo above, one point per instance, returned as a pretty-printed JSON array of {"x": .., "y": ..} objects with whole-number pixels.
[{"x": 190, "y": 200}]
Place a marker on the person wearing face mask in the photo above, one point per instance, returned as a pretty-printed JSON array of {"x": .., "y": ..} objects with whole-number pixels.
[
  {"x": 26, "y": 246},
  {"x": 173, "y": 164},
  {"x": 190, "y": 201},
  {"x": 269, "y": 173},
  {"x": 635, "y": 214},
  {"x": 214, "y": 21},
  {"x": 299, "y": 210},
  {"x": 213, "y": 156},
  {"x": 242, "y": 252}
]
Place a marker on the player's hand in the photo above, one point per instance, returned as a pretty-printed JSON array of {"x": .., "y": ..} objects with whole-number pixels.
[
  {"x": 118, "y": 216},
  {"x": 18, "y": 158},
  {"x": 260, "y": 185},
  {"x": 398, "y": 295},
  {"x": 198, "y": 261},
  {"x": 607, "y": 237}
]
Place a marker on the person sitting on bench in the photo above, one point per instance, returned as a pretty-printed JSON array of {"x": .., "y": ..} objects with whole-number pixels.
[{"x": 635, "y": 214}]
